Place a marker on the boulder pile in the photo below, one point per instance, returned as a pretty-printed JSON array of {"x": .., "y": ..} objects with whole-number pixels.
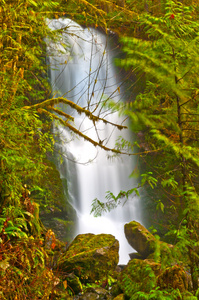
[{"x": 90, "y": 270}]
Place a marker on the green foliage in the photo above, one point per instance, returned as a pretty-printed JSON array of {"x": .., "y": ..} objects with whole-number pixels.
[
  {"x": 112, "y": 202},
  {"x": 13, "y": 223},
  {"x": 24, "y": 138},
  {"x": 166, "y": 114},
  {"x": 167, "y": 51},
  {"x": 157, "y": 294},
  {"x": 138, "y": 277},
  {"x": 160, "y": 205},
  {"x": 149, "y": 179},
  {"x": 23, "y": 271},
  {"x": 105, "y": 282}
]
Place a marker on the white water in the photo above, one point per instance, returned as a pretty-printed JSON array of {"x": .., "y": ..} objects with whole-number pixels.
[{"x": 84, "y": 74}]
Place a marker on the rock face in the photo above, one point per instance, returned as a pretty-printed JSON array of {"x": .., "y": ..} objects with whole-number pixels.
[
  {"x": 139, "y": 238},
  {"x": 91, "y": 257}
]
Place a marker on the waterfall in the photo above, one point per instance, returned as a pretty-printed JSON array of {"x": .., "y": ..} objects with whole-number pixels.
[{"x": 81, "y": 70}]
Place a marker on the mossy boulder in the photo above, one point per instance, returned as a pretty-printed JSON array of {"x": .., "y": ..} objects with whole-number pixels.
[
  {"x": 139, "y": 238},
  {"x": 91, "y": 257},
  {"x": 138, "y": 275},
  {"x": 173, "y": 277},
  {"x": 145, "y": 243},
  {"x": 147, "y": 275}
]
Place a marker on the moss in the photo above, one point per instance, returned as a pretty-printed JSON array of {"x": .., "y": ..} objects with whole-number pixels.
[
  {"x": 173, "y": 277},
  {"x": 91, "y": 257},
  {"x": 51, "y": 195},
  {"x": 139, "y": 238},
  {"x": 138, "y": 276},
  {"x": 119, "y": 297},
  {"x": 146, "y": 275},
  {"x": 74, "y": 283}
]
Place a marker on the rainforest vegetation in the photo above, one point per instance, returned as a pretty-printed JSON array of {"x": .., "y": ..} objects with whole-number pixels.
[{"x": 160, "y": 45}]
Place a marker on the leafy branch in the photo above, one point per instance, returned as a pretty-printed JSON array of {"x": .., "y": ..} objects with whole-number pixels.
[{"x": 112, "y": 201}]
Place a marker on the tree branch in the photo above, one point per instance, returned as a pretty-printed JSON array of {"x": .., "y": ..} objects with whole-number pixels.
[{"x": 50, "y": 102}]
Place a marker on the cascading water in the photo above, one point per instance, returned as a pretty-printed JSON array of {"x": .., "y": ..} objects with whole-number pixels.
[{"x": 81, "y": 70}]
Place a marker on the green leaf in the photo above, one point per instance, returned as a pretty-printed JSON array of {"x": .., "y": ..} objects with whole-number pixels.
[{"x": 160, "y": 206}]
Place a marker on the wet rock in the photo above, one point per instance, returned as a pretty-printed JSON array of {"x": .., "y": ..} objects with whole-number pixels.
[
  {"x": 139, "y": 238},
  {"x": 91, "y": 257},
  {"x": 97, "y": 293},
  {"x": 119, "y": 268},
  {"x": 145, "y": 243}
]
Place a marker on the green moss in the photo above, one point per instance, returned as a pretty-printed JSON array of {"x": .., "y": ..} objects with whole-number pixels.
[
  {"x": 173, "y": 278},
  {"x": 140, "y": 238},
  {"x": 137, "y": 276},
  {"x": 91, "y": 257}
]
